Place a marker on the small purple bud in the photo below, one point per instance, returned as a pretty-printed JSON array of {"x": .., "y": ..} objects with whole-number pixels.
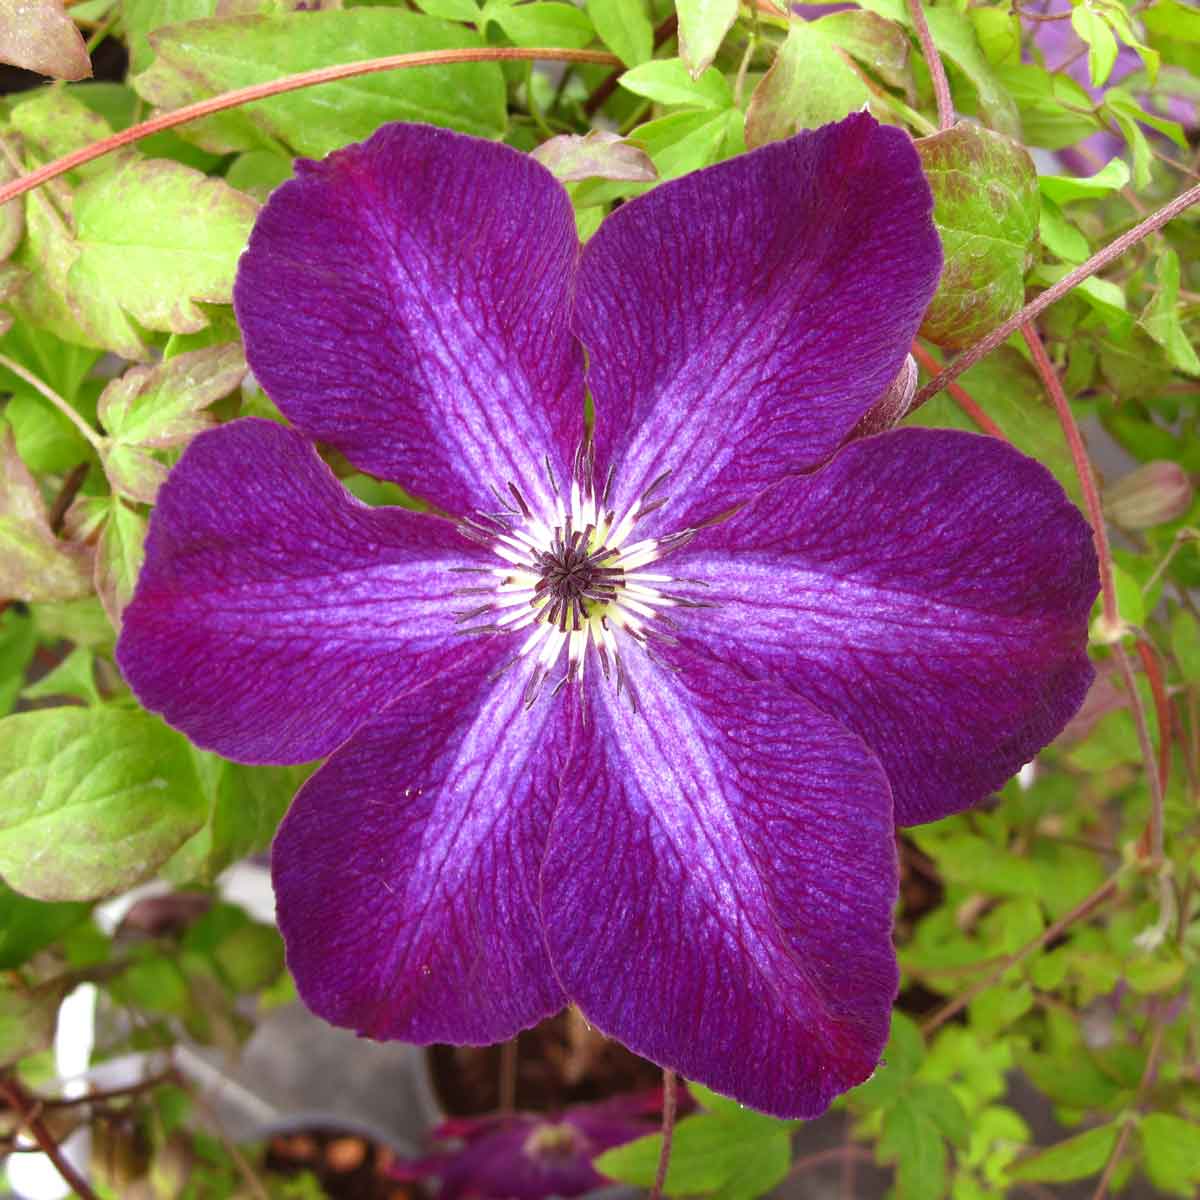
[{"x": 1154, "y": 494}]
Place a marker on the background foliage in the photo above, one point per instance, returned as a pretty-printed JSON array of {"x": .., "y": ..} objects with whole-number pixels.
[{"x": 1051, "y": 936}]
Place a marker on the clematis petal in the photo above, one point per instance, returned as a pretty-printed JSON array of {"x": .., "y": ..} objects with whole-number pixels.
[
  {"x": 406, "y": 869},
  {"x": 275, "y": 612},
  {"x": 718, "y": 886},
  {"x": 929, "y": 589},
  {"x": 741, "y": 320},
  {"x": 406, "y": 300}
]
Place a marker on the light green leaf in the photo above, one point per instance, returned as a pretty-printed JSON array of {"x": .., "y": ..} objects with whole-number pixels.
[
  {"x": 259, "y": 172},
  {"x": 913, "y": 1142},
  {"x": 1161, "y": 316},
  {"x": 703, "y": 25},
  {"x": 156, "y": 236},
  {"x": 1075, "y": 1158},
  {"x": 1172, "y": 19},
  {"x": 1059, "y": 236},
  {"x": 1111, "y": 177},
  {"x": 596, "y": 155},
  {"x": 543, "y": 23},
  {"x": 938, "y": 1104},
  {"x": 1185, "y": 644},
  {"x": 1055, "y": 111},
  {"x": 140, "y": 18},
  {"x": 92, "y": 801},
  {"x": 165, "y": 405},
  {"x": 450, "y": 10},
  {"x": 809, "y": 84},
  {"x": 12, "y": 214},
  {"x": 1171, "y": 1152},
  {"x": 624, "y": 27},
  {"x": 119, "y": 555},
  {"x": 1094, "y": 31},
  {"x": 667, "y": 81},
  {"x": 986, "y": 210},
  {"x": 203, "y": 58},
  {"x": 26, "y": 926},
  {"x": 877, "y": 43},
  {"x": 17, "y": 642},
  {"x": 34, "y": 564},
  {"x": 53, "y": 122}
]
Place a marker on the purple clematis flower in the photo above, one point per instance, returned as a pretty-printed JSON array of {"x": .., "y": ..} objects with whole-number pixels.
[
  {"x": 629, "y": 718},
  {"x": 531, "y": 1156}
]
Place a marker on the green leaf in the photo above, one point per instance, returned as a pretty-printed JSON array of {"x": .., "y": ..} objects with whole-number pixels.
[
  {"x": 741, "y": 1157},
  {"x": 259, "y": 172},
  {"x": 140, "y": 18},
  {"x": 1171, "y": 1152},
  {"x": 879, "y": 44},
  {"x": 901, "y": 1058},
  {"x": 1185, "y": 644},
  {"x": 246, "y": 805},
  {"x": 28, "y": 1016},
  {"x": 73, "y": 677},
  {"x": 703, "y": 25},
  {"x": 912, "y": 1141},
  {"x": 1172, "y": 19},
  {"x": 1111, "y": 177},
  {"x": 92, "y": 801},
  {"x": 203, "y": 58},
  {"x": 985, "y": 197},
  {"x": 34, "y": 564},
  {"x": 542, "y": 23},
  {"x": 939, "y": 1105},
  {"x": 53, "y": 122},
  {"x": 1059, "y": 236},
  {"x": 624, "y": 27},
  {"x": 156, "y": 236},
  {"x": 119, "y": 555},
  {"x": 1160, "y": 319},
  {"x": 17, "y": 642},
  {"x": 667, "y": 81},
  {"x": 809, "y": 84},
  {"x": 450, "y": 10},
  {"x": 1094, "y": 31},
  {"x": 12, "y": 215},
  {"x": 1055, "y": 111},
  {"x": 1075, "y": 1158},
  {"x": 27, "y": 926}
]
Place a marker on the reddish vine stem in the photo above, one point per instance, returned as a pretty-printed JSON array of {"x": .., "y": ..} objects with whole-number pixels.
[
  {"x": 937, "y": 72},
  {"x": 668, "y": 1133},
  {"x": 1057, "y": 291},
  {"x": 1108, "y": 589},
  {"x": 1162, "y": 707},
  {"x": 1083, "y": 469},
  {"x": 293, "y": 83},
  {"x": 959, "y": 394},
  {"x": 29, "y": 1110},
  {"x": 1081, "y": 910}
]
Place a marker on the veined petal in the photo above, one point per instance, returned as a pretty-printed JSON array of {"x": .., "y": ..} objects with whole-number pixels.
[
  {"x": 406, "y": 869},
  {"x": 929, "y": 589},
  {"x": 740, "y": 321},
  {"x": 718, "y": 886},
  {"x": 406, "y": 300},
  {"x": 275, "y": 612}
]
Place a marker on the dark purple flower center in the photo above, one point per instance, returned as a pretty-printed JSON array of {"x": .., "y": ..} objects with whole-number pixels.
[{"x": 574, "y": 578}]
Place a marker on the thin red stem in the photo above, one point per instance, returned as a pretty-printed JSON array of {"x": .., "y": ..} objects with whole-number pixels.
[
  {"x": 1162, "y": 708},
  {"x": 1057, "y": 291},
  {"x": 1083, "y": 468},
  {"x": 937, "y": 72},
  {"x": 28, "y": 1110},
  {"x": 959, "y": 394},
  {"x": 668, "y": 1133},
  {"x": 608, "y": 84},
  {"x": 292, "y": 83}
]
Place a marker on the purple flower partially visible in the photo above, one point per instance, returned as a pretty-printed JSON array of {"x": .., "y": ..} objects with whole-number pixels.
[
  {"x": 629, "y": 717},
  {"x": 1063, "y": 49},
  {"x": 531, "y": 1156}
]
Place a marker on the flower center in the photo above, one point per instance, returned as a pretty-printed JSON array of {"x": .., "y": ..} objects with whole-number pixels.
[{"x": 572, "y": 578}]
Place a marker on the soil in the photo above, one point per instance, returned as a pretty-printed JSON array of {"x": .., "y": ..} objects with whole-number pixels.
[
  {"x": 349, "y": 1166},
  {"x": 560, "y": 1062}
]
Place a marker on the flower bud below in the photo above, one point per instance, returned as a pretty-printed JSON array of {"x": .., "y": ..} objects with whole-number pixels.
[{"x": 1153, "y": 494}]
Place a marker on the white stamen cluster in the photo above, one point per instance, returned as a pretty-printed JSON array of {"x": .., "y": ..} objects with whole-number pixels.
[{"x": 572, "y": 579}]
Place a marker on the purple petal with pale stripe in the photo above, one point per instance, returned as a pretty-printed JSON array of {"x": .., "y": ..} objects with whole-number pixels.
[
  {"x": 929, "y": 589},
  {"x": 740, "y": 321},
  {"x": 406, "y": 300},
  {"x": 718, "y": 887},
  {"x": 275, "y": 612},
  {"x": 406, "y": 869}
]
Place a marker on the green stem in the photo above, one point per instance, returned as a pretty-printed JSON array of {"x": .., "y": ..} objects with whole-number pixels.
[{"x": 90, "y": 435}]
